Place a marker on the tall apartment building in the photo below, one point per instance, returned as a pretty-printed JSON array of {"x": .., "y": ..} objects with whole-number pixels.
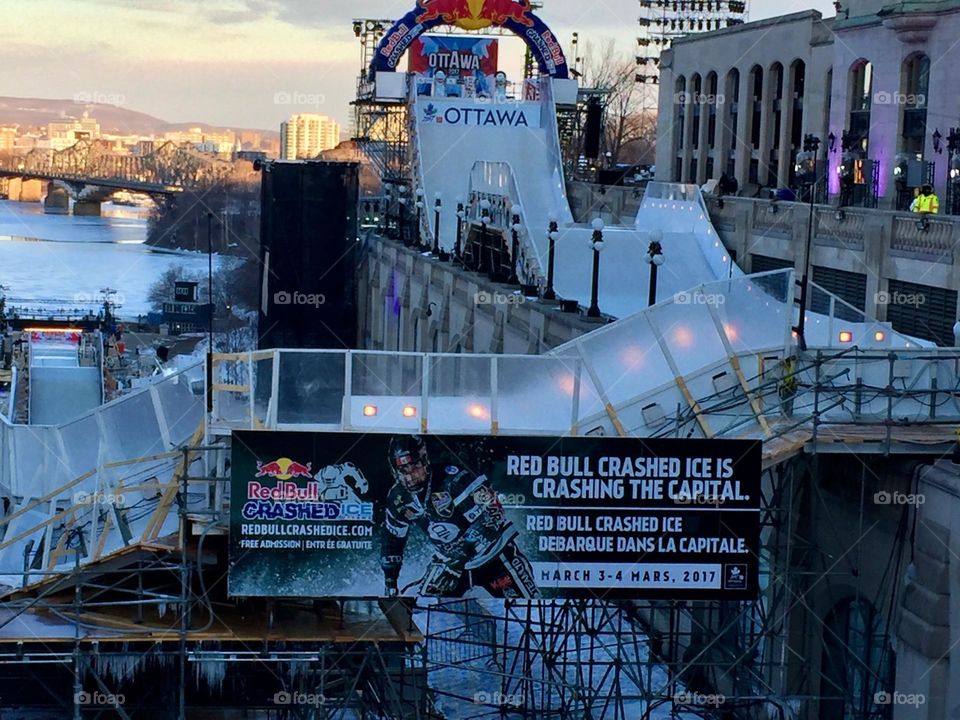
[
  {"x": 305, "y": 135},
  {"x": 62, "y": 134},
  {"x": 8, "y": 138}
]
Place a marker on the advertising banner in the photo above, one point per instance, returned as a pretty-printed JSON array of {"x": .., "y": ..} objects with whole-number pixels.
[
  {"x": 350, "y": 515},
  {"x": 517, "y": 16},
  {"x": 455, "y": 56},
  {"x": 456, "y": 113}
]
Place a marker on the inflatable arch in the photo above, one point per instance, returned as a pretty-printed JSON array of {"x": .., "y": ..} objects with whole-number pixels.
[{"x": 514, "y": 15}]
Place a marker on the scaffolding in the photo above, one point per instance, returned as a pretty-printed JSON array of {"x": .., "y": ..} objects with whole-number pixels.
[
  {"x": 662, "y": 21},
  {"x": 151, "y": 622}
]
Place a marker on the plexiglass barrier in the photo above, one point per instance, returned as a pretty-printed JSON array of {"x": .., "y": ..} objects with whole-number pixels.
[{"x": 98, "y": 482}]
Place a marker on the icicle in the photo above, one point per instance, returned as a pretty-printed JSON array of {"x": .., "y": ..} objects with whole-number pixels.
[{"x": 211, "y": 673}]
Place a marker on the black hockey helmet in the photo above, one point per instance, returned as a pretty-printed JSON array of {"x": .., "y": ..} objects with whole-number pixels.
[{"x": 409, "y": 462}]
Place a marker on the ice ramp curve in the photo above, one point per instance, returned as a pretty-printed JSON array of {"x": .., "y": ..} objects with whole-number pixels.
[
  {"x": 676, "y": 216},
  {"x": 687, "y": 357},
  {"x": 453, "y": 134}
]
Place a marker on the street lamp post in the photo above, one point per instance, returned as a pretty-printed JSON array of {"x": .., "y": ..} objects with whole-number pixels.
[
  {"x": 953, "y": 172},
  {"x": 481, "y": 262},
  {"x": 209, "y": 312},
  {"x": 806, "y": 171},
  {"x": 515, "y": 229},
  {"x": 418, "y": 238},
  {"x": 655, "y": 259},
  {"x": 403, "y": 215},
  {"x": 596, "y": 242},
  {"x": 552, "y": 235},
  {"x": 437, "y": 207},
  {"x": 461, "y": 214}
]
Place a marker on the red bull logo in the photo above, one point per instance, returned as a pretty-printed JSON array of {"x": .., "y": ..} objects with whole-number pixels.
[
  {"x": 284, "y": 469},
  {"x": 476, "y": 14}
]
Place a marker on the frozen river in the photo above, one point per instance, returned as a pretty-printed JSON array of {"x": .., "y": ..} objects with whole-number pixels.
[{"x": 50, "y": 262}]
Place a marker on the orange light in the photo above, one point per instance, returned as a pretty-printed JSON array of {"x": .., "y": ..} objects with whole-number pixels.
[
  {"x": 369, "y": 410},
  {"x": 409, "y": 411},
  {"x": 846, "y": 336},
  {"x": 477, "y": 411},
  {"x": 566, "y": 384},
  {"x": 683, "y": 337},
  {"x": 795, "y": 334},
  {"x": 879, "y": 336},
  {"x": 633, "y": 357},
  {"x": 731, "y": 331}
]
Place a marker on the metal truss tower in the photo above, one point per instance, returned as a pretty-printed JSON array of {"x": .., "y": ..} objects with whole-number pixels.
[{"x": 661, "y": 21}]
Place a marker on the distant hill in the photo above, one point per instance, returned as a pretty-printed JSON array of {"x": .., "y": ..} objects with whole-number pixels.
[{"x": 37, "y": 112}]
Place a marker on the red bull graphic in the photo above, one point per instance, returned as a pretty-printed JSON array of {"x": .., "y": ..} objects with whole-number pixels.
[
  {"x": 453, "y": 55},
  {"x": 283, "y": 469},
  {"x": 514, "y": 15},
  {"x": 476, "y": 14}
]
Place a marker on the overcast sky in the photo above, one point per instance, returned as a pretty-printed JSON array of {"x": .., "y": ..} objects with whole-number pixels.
[{"x": 227, "y": 62}]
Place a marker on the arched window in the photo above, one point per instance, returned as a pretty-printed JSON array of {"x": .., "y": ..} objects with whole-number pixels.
[
  {"x": 680, "y": 102},
  {"x": 857, "y": 662},
  {"x": 861, "y": 100},
  {"x": 776, "y": 71},
  {"x": 712, "y": 91},
  {"x": 798, "y": 71},
  {"x": 756, "y": 114},
  {"x": 915, "y": 88},
  {"x": 756, "y": 102},
  {"x": 798, "y": 74},
  {"x": 696, "y": 105},
  {"x": 732, "y": 93}
]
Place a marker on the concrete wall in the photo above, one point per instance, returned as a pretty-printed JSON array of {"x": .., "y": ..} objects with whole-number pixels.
[
  {"x": 414, "y": 303},
  {"x": 614, "y": 204},
  {"x": 883, "y": 245},
  {"x": 928, "y": 632},
  {"x": 20, "y": 190}
]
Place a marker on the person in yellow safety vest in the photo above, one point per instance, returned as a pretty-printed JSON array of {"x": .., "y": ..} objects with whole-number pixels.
[{"x": 927, "y": 202}]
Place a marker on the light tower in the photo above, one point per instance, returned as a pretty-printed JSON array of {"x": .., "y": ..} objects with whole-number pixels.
[{"x": 663, "y": 20}]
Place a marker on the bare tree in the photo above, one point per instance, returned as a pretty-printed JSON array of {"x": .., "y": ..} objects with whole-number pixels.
[{"x": 629, "y": 124}]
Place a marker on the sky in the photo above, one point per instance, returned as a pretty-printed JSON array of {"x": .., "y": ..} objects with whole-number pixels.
[{"x": 242, "y": 63}]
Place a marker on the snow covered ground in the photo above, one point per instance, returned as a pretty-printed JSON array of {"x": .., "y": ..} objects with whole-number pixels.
[{"x": 60, "y": 261}]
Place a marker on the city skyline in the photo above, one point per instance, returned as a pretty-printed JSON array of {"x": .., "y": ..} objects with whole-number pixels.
[{"x": 242, "y": 63}]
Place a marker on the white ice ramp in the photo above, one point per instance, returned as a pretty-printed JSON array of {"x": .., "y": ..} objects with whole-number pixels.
[
  {"x": 59, "y": 394},
  {"x": 452, "y": 134}
]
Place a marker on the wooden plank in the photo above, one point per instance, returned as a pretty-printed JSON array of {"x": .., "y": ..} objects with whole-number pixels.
[{"x": 231, "y": 388}]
